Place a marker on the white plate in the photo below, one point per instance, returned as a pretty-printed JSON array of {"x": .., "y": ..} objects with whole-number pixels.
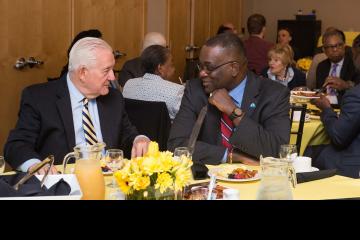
[
  {"x": 221, "y": 173},
  {"x": 302, "y": 97},
  {"x": 313, "y": 169}
]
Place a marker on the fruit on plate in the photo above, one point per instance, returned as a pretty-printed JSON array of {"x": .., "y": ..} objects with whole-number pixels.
[{"x": 240, "y": 173}]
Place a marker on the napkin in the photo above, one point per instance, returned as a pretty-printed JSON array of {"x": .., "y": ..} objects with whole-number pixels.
[
  {"x": 312, "y": 176},
  {"x": 31, "y": 188}
]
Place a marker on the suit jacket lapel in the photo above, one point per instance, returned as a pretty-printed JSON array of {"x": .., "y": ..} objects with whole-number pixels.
[
  {"x": 249, "y": 102},
  {"x": 64, "y": 107},
  {"x": 105, "y": 113}
]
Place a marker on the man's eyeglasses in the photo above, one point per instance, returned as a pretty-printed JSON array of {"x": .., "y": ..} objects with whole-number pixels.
[
  {"x": 209, "y": 69},
  {"x": 337, "y": 46}
]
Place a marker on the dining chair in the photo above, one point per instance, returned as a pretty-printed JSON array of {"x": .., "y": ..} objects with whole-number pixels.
[{"x": 299, "y": 132}]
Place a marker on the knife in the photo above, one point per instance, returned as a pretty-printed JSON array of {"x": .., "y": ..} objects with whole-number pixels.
[
  {"x": 196, "y": 129},
  {"x": 31, "y": 173}
]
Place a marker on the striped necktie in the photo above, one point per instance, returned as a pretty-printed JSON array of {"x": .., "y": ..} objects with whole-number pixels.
[
  {"x": 330, "y": 91},
  {"x": 89, "y": 130},
  {"x": 227, "y": 127}
]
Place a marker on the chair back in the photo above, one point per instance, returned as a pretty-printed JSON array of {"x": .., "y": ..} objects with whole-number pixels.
[
  {"x": 299, "y": 132},
  {"x": 150, "y": 119}
]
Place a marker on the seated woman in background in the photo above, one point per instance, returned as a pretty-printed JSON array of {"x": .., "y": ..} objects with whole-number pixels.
[
  {"x": 285, "y": 38},
  {"x": 153, "y": 86},
  {"x": 281, "y": 68}
]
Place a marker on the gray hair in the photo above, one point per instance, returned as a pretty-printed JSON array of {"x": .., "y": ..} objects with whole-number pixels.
[
  {"x": 154, "y": 38},
  {"x": 83, "y": 53}
]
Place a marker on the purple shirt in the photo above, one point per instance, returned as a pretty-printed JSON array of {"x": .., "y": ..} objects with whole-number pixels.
[{"x": 256, "y": 52}]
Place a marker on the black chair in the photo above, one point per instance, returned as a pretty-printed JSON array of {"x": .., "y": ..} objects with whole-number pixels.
[
  {"x": 151, "y": 119},
  {"x": 299, "y": 132}
]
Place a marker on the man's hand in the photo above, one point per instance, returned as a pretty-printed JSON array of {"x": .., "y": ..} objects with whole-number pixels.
[
  {"x": 322, "y": 102},
  {"x": 244, "y": 159},
  {"x": 42, "y": 171},
  {"x": 337, "y": 83},
  {"x": 221, "y": 99},
  {"x": 140, "y": 146}
]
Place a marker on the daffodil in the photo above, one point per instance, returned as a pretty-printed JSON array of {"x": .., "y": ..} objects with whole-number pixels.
[{"x": 164, "y": 182}]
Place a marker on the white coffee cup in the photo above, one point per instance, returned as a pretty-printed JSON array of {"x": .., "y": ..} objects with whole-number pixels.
[
  {"x": 231, "y": 194},
  {"x": 302, "y": 164}
]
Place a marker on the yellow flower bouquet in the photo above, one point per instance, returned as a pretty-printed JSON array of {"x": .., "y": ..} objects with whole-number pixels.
[
  {"x": 304, "y": 64},
  {"x": 157, "y": 175}
]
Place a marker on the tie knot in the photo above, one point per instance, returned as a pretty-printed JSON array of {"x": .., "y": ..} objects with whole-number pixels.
[{"x": 85, "y": 101}]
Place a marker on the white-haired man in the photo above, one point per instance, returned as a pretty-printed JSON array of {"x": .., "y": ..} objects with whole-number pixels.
[
  {"x": 133, "y": 68},
  {"x": 51, "y": 118}
]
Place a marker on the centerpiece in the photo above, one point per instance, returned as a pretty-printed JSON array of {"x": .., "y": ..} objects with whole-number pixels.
[
  {"x": 304, "y": 64},
  {"x": 155, "y": 176}
]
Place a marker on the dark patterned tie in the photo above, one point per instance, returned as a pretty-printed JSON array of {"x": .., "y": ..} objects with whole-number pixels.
[
  {"x": 89, "y": 130},
  {"x": 227, "y": 127}
]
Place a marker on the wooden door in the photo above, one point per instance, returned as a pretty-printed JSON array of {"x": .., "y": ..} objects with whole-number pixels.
[
  {"x": 122, "y": 23},
  {"x": 36, "y": 28},
  {"x": 225, "y": 11}
]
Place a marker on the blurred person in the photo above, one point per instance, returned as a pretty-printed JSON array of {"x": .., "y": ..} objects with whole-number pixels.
[
  {"x": 344, "y": 130},
  {"x": 133, "y": 67},
  {"x": 247, "y": 116},
  {"x": 281, "y": 67},
  {"x": 255, "y": 46},
  {"x": 52, "y": 120},
  {"x": 153, "y": 86},
  {"x": 285, "y": 38},
  {"x": 227, "y": 27}
]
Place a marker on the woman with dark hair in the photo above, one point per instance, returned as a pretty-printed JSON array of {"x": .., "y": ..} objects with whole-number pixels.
[
  {"x": 285, "y": 37},
  {"x": 153, "y": 86}
]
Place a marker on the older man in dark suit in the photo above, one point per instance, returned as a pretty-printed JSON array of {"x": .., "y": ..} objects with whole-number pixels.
[
  {"x": 248, "y": 116},
  {"x": 78, "y": 109},
  {"x": 344, "y": 130}
]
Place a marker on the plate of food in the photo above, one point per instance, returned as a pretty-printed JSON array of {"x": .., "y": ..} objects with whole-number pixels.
[
  {"x": 304, "y": 94},
  {"x": 234, "y": 174}
]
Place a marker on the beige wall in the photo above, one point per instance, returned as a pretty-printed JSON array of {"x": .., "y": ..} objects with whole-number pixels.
[
  {"x": 157, "y": 16},
  {"x": 343, "y": 14}
]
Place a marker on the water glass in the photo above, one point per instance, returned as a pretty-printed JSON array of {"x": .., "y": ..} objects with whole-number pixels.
[
  {"x": 288, "y": 152},
  {"x": 181, "y": 152},
  {"x": 2, "y": 164},
  {"x": 115, "y": 161}
]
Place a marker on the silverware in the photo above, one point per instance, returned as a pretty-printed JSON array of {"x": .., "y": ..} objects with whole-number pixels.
[
  {"x": 196, "y": 129},
  {"x": 51, "y": 157},
  {"x": 31, "y": 173}
]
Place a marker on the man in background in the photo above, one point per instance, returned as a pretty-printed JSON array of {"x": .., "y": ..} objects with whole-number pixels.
[{"x": 133, "y": 67}]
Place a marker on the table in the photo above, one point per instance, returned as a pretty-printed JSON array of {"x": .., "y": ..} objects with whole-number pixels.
[{"x": 336, "y": 187}]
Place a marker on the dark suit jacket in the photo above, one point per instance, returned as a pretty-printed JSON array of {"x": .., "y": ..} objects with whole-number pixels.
[
  {"x": 265, "y": 126},
  {"x": 131, "y": 69},
  {"x": 347, "y": 72},
  {"x": 45, "y": 125},
  {"x": 344, "y": 151}
]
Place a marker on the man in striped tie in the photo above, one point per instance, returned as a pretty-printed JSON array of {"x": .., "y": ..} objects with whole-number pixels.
[
  {"x": 78, "y": 109},
  {"x": 247, "y": 116}
]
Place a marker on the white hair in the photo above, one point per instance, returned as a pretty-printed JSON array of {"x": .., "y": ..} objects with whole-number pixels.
[
  {"x": 154, "y": 38},
  {"x": 83, "y": 53}
]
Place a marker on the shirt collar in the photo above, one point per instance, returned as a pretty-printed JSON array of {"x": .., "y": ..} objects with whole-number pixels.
[
  {"x": 75, "y": 94},
  {"x": 339, "y": 64},
  {"x": 152, "y": 76},
  {"x": 237, "y": 93}
]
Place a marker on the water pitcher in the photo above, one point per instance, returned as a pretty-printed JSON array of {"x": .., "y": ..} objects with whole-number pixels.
[
  {"x": 88, "y": 170},
  {"x": 275, "y": 175}
]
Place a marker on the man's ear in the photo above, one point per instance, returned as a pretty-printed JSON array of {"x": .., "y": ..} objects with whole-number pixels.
[{"x": 82, "y": 71}]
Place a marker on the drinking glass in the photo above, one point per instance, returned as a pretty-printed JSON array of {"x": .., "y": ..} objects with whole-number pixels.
[
  {"x": 288, "y": 152},
  {"x": 115, "y": 161},
  {"x": 2, "y": 164},
  {"x": 181, "y": 152}
]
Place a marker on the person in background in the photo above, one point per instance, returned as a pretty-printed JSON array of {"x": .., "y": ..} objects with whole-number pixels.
[
  {"x": 255, "y": 46},
  {"x": 78, "y": 109},
  {"x": 285, "y": 38},
  {"x": 153, "y": 86},
  {"x": 133, "y": 68},
  {"x": 337, "y": 72},
  {"x": 227, "y": 27},
  {"x": 344, "y": 130},
  {"x": 247, "y": 116},
  {"x": 281, "y": 67},
  {"x": 83, "y": 34}
]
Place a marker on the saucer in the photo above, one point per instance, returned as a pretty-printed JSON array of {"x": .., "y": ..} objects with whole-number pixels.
[{"x": 313, "y": 169}]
